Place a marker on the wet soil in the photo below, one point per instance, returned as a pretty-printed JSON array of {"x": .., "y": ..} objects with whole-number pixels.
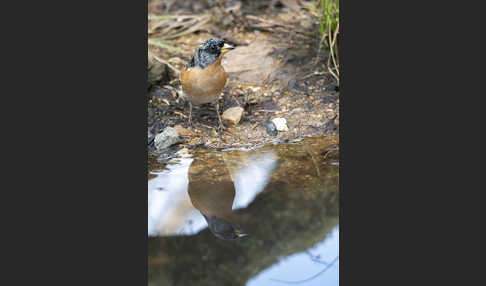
[{"x": 291, "y": 82}]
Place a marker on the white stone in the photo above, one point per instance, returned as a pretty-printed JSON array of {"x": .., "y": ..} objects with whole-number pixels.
[{"x": 281, "y": 124}]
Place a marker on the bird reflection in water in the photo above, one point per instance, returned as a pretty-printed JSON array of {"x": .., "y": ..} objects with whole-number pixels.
[{"x": 212, "y": 192}]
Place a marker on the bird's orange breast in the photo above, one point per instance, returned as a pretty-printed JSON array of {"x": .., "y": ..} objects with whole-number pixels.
[
  {"x": 204, "y": 85},
  {"x": 211, "y": 187}
]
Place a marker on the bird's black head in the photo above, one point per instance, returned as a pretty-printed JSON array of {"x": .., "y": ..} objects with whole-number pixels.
[
  {"x": 208, "y": 52},
  {"x": 223, "y": 229}
]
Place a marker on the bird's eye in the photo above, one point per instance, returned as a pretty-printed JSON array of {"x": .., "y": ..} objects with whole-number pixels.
[{"x": 221, "y": 44}]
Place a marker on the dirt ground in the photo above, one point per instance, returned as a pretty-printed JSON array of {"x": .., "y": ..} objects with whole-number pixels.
[{"x": 276, "y": 70}]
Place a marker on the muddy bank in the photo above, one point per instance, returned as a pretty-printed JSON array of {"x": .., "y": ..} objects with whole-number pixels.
[{"x": 276, "y": 71}]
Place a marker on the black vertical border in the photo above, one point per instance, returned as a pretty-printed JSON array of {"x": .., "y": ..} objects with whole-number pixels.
[{"x": 78, "y": 172}]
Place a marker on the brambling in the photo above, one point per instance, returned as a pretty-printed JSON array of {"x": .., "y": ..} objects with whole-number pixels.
[{"x": 204, "y": 78}]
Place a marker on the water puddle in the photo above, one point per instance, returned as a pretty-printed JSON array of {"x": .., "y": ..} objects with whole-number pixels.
[{"x": 266, "y": 216}]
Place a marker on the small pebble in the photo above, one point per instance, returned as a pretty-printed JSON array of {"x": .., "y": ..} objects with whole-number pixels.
[
  {"x": 233, "y": 115},
  {"x": 271, "y": 128},
  {"x": 280, "y": 124}
]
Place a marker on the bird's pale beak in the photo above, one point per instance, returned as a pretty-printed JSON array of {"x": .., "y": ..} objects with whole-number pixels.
[
  {"x": 239, "y": 233},
  {"x": 226, "y": 48}
]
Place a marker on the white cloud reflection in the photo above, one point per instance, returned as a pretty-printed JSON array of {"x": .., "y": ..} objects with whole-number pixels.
[{"x": 170, "y": 211}]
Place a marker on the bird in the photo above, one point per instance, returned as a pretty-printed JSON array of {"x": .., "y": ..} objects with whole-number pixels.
[
  {"x": 212, "y": 192},
  {"x": 203, "y": 78}
]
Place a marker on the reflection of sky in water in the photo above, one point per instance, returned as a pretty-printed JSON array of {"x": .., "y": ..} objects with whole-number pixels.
[
  {"x": 252, "y": 178},
  {"x": 169, "y": 205},
  {"x": 300, "y": 266},
  {"x": 170, "y": 210}
]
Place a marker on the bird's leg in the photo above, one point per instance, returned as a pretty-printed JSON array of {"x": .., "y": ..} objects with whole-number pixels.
[
  {"x": 221, "y": 126},
  {"x": 190, "y": 114},
  {"x": 237, "y": 102}
]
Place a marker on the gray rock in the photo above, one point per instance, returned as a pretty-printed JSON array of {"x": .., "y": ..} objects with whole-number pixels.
[
  {"x": 158, "y": 73},
  {"x": 166, "y": 138},
  {"x": 251, "y": 63}
]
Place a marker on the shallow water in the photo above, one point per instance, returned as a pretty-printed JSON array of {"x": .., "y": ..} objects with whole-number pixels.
[{"x": 268, "y": 216}]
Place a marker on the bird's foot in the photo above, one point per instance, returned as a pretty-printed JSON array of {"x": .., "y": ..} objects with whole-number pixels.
[{"x": 221, "y": 127}]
